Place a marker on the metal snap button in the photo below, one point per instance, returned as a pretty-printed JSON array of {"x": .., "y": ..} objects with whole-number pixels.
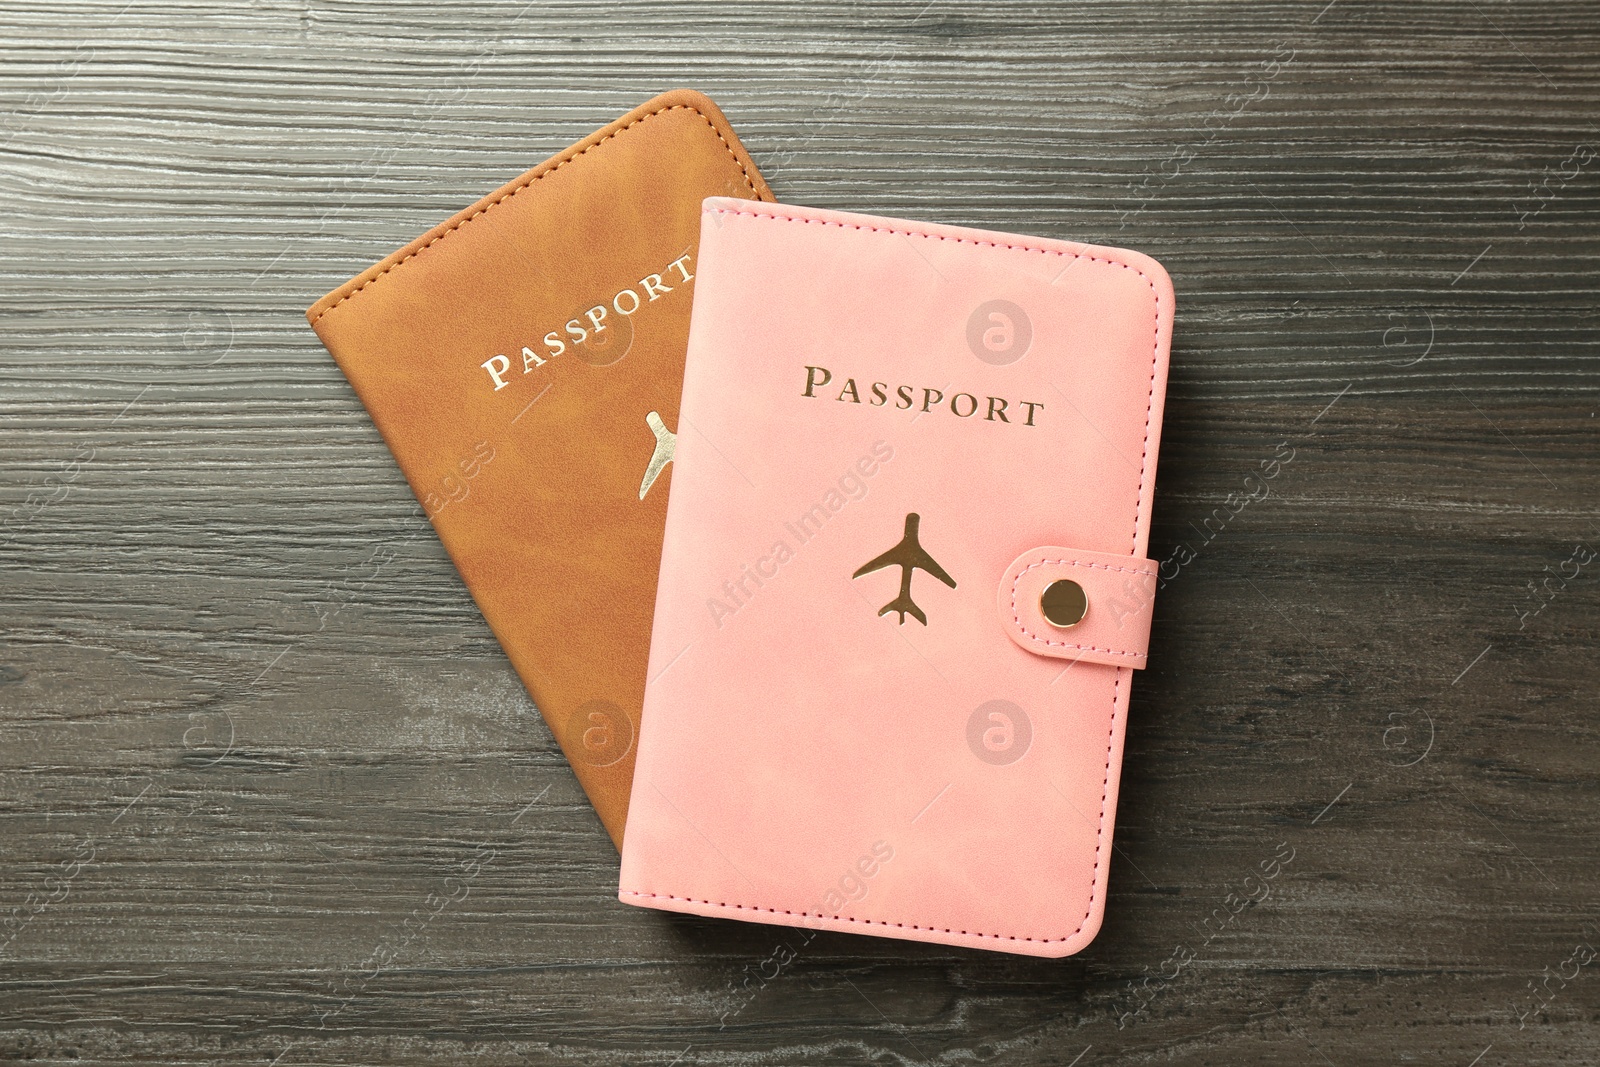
[{"x": 1063, "y": 603}]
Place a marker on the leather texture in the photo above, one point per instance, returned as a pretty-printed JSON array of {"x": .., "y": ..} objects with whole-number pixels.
[
  {"x": 523, "y": 362},
  {"x": 1115, "y": 629},
  {"x": 811, "y": 755}
]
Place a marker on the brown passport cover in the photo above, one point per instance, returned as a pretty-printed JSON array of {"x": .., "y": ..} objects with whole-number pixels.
[{"x": 535, "y": 485}]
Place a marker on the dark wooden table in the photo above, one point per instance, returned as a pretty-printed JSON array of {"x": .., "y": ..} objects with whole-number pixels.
[{"x": 251, "y": 723}]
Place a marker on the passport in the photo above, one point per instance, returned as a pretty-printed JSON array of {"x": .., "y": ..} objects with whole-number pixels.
[
  {"x": 904, "y": 591},
  {"x": 523, "y": 362}
]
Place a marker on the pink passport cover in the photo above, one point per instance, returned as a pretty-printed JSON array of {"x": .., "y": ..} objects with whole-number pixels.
[{"x": 873, "y": 410}]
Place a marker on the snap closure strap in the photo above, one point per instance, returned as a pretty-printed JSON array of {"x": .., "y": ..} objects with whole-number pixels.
[{"x": 1112, "y": 596}]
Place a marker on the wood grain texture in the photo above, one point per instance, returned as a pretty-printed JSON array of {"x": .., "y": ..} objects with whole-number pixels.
[{"x": 252, "y": 728}]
